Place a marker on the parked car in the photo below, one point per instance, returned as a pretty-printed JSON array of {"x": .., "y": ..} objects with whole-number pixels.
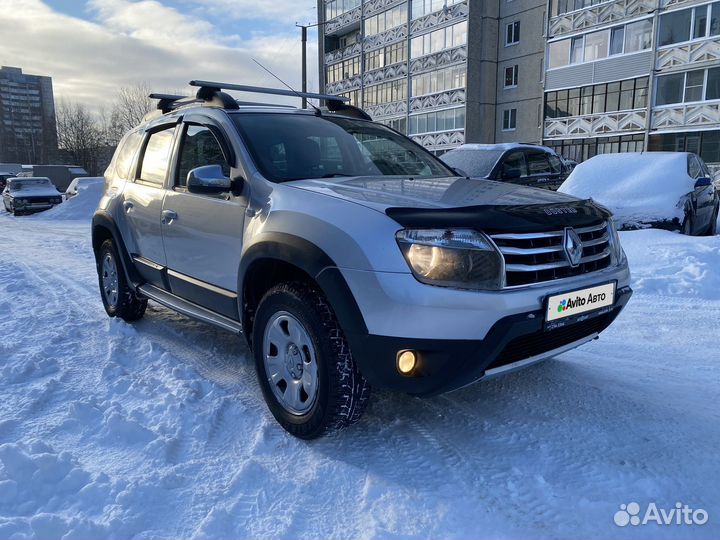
[
  {"x": 569, "y": 165},
  {"x": 60, "y": 175},
  {"x": 345, "y": 254},
  {"x": 4, "y": 178},
  {"x": 72, "y": 189},
  {"x": 524, "y": 164},
  {"x": 671, "y": 190},
  {"x": 27, "y": 195}
]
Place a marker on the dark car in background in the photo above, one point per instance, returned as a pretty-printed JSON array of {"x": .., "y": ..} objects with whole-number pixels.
[
  {"x": 524, "y": 164},
  {"x": 4, "y": 178},
  {"x": 27, "y": 195}
]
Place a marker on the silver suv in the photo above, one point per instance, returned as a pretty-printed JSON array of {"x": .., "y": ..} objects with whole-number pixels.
[{"x": 346, "y": 254}]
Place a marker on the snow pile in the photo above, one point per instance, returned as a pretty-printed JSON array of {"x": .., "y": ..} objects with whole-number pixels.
[
  {"x": 82, "y": 206},
  {"x": 158, "y": 429},
  {"x": 670, "y": 264},
  {"x": 640, "y": 189}
]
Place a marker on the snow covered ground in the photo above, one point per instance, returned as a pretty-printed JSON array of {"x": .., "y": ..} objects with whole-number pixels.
[{"x": 158, "y": 429}]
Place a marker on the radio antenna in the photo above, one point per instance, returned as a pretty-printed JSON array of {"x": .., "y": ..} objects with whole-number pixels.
[{"x": 317, "y": 110}]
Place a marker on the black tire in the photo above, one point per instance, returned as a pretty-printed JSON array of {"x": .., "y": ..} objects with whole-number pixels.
[
  {"x": 712, "y": 229},
  {"x": 688, "y": 225},
  {"x": 342, "y": 392},
  {"x": 122, "y": 302}
]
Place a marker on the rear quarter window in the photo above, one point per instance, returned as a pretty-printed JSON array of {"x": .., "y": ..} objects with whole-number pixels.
[{"x": 125, "y": 155}]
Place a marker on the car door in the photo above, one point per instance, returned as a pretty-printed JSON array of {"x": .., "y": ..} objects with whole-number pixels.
[
  {"x": 513, "y": 168},
  {"x": 202, "y": 232},
  {"x": 541, "y": 173},
  {"x": 703, "y": 197},
  {"x": 142, "y": 203}
]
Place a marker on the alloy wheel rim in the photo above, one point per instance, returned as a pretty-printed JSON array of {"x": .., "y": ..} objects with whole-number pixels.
[
  {"x": 290, "y": 363},
  {"x": 110, "y": 280}
]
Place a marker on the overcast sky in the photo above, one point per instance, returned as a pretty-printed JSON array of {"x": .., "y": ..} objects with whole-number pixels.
[{"x": 92, "y": 47}]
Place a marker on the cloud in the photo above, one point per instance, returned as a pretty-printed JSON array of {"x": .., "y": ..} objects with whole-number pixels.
[
  {"x": 130, "y": 42},
  {"x": 287, "y": 11}
]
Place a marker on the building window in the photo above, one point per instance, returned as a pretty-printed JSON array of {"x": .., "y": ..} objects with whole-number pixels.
[
  {"x": 386, "y": 56},
  {"x": 688, "y": 87},
  {"x": 704, "y": 143},
  {"x": 445, "y": 38},
  {"x": 446, "y": 120},
  {"x": 576, "y": 50},
  {"x": 617, "y": 39},
  {"x": 512, "y": 33},
  {"x": 420, "y": 8},
  {"x": 386, "y": 20},
  {"x": 338, "y": 7},
  {"x": 597, "y": 99},
  {"x": 558, "y": 53},
  {"x": 343, "y": 70},
  {"x": 691, "y": 23},
  {"x": 511, "y": 76},
  {"x": 385, "y": 93},
  {"x": 509, "y": 119},
  {"x": 442, "y": 80},
  {"x": 582, "y": 149}
]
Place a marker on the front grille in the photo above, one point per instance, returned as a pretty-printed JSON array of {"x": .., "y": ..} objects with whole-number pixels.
[
  {"x": 538, "y": 257},
  {"x": 540, "y": 342}
]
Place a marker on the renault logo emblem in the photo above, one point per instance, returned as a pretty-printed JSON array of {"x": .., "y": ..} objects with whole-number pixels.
[{"x": 572, "y": 246}]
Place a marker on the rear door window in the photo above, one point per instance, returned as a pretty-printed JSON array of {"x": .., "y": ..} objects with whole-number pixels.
[
  {"x": 514, "y": 166},
  {"x": 538, "y": 163},
  {"x": 156, "y": 157}
]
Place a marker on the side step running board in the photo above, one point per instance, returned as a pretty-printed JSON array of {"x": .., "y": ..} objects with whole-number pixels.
[{"x": 189, "y": 309}]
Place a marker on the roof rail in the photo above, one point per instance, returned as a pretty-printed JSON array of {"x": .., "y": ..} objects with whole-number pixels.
[{"x": 260, "y": 90}]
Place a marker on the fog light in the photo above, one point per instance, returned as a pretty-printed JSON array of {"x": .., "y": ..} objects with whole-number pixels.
[{"x": 406, "y": 362}]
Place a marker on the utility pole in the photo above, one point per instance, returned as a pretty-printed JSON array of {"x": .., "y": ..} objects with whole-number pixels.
[{"x": 304, "y": 64}]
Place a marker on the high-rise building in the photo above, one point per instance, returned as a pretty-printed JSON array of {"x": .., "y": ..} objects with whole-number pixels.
[
  {"x": 28, "y": 132},
  {"x": 443, "y": 71},
  {"x": 629, "y": 75}
]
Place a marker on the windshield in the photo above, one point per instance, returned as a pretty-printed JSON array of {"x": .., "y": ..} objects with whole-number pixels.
[
  {"x": 475, "y": 162},
  {"x": 298, "y": 146},
  {"x": 17, "y": 185}
]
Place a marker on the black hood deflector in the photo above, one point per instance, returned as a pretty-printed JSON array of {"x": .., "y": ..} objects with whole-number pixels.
[{"x": 504, "y": 218}]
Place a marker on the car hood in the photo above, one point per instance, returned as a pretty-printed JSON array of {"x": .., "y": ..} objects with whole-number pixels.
[
  {"x": 36, "y": 192},
  {"x": 454, "y": 201}
]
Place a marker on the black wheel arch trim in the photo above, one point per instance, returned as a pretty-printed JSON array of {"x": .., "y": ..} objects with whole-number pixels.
[
  {"x": 312, "y": 260},
  {"x": 102, "y": 220}
]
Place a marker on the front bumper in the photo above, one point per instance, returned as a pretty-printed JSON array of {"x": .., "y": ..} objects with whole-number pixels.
[{"x": 448, "y": 364}]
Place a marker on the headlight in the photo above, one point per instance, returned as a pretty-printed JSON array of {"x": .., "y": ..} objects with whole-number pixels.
[
  {"x": 617, "y": 254},
  {"x": 460, "y": 258}
]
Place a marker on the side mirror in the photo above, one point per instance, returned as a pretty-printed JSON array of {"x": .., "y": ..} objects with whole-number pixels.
[
  {"x": 207, "y": 180},
  {"x": 703, "y": 182}
]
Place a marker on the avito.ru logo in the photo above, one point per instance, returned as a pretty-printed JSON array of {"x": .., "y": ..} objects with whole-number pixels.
[{"x": 681, "y": 514}]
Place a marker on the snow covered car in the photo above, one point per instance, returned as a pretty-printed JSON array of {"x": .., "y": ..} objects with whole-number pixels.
[
  {"x": 345, "y": 254},
  {"x": 524, "y": 164},
  {"x": 669, "y": 190},
  {"x": 27, "y": 195},
  {"x": 72, "y": 189}
]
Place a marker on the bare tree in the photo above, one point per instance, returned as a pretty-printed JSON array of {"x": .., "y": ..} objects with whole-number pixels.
[
  {"x": 131, "y": 105},
  {"x": 80, "y": 136}
]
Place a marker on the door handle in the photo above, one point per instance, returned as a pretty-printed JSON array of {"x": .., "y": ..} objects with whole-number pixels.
[
  {"x": 128, "y": 206},
  {"x": 168, "y": 216}
]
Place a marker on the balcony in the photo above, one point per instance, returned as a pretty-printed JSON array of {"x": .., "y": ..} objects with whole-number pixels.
[
  {"x": 455, "y": 14},
  {"x": 445, "y": 140},
  {"x": 385, "y": 110},
  {"x": 691, "y": 115},
  {"x": 342, "y": 23},
  {"x": 442, "y": 99},
  {"x": 605, "y": 13},
  {"x": 340, "y": 54},
  {"x": 436, "y": 60},
  {"x": 594, "y": 125},
  {"x": 345, "y": 85},
  {"x": 691, "y": 53},
  {"x": 388, "y": 73}
]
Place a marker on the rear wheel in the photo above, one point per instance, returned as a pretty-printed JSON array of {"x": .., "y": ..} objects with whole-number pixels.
[
  {"x": 306, "y": 371},
  {"x": 119, "y": 300}
]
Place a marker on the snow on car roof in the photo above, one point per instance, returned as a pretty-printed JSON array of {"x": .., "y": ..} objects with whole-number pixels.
[{"x": 636, "y": 187}]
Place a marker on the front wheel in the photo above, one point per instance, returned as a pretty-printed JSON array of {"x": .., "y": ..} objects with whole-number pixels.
[
  {"x": 118, "y": 299},
  {"x": 306, "y": 371}
]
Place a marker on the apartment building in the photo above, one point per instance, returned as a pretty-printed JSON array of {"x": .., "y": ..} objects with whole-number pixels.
[
  {"x": 630, "y": 75},
  {"x": 444, "y": 72},
  {"x": 28, "y": 132}
]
